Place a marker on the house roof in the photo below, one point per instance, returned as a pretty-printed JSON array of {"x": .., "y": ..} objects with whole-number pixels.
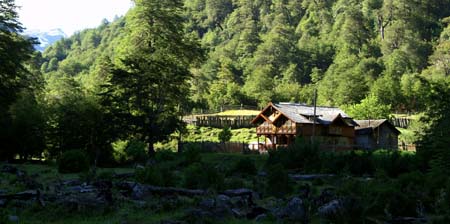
[
  {"x": 365, "y": 125},
  {"x": 301, "y": 113}
]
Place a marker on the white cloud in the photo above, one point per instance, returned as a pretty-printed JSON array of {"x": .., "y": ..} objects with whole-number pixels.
[{"x": 69, "y": 15}]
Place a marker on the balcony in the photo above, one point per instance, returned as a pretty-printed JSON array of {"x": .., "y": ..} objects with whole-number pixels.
[{"x": 285, "y": 130}]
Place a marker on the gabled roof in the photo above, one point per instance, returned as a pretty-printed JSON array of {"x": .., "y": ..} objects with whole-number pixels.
[
  {"x": 301, "y": 113},
  {"x": 365, "y": 125}
]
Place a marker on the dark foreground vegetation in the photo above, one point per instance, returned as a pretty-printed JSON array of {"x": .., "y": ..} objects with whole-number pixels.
[{"x": 298, "y": 184}]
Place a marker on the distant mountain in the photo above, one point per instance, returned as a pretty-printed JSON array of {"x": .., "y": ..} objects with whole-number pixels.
[{"x": 46, "y": 38}]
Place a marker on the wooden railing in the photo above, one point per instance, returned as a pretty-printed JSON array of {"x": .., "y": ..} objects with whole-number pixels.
[
  {"x": 400, "y": 122},
  {"x": 288, "y": 130},
  {"x": 218, "y": 121}
]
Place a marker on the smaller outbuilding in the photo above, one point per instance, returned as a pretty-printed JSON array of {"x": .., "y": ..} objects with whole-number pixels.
[{"x": 376, "y": 134}]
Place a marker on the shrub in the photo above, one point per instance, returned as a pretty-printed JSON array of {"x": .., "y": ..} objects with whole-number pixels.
[
  {"x": 244, "y": 166},
  {"x": 360, "y": 164},
  {"x": 394, "y": 163},
  {"x": 299, "y": 155},
  {"x": 234, "y": 183},
  {"x": 135, "y": 151},
  {"x": 201, "y": 175},
  {"x": 191, "y": 155},
  {"x": 157, "y": 175},
  {"x": 73, "y": 161},
  {"x": 165, "y": 155},
  {"x": 225, "y": 135},
  {"x": 277, "y": 181},
  {"x": 334, "y": 162}
]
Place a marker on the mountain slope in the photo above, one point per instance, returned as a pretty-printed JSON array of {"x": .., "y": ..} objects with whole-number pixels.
[
  {"x": 46, "y": 38},
  {"x": 260, "y": 51}
]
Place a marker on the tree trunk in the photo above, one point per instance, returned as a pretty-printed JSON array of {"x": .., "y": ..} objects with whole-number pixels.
[{"x": 151, "y": 150}]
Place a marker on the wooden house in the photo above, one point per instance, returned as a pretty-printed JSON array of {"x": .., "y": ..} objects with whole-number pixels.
[
  {"x": 281, "y": 123},
  {"x": 376, "y": 134}
]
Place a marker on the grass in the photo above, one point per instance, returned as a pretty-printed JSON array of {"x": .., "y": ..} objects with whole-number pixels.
[
  {"x": 209, "y": 134},
  {"x": 225, "y": 159},
  {"x": 127, "y": 213}
]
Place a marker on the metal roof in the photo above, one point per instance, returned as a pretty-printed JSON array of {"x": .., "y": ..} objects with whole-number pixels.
[
  {"x": 373, "y": 124},
  {"x": 369, "y": 123},
  {"x": 300, "y": 113}
]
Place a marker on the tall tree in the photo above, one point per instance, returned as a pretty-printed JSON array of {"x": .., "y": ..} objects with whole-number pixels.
[
  {"x": 14, "y": 51},
  {"x": 149, "y": 85}
]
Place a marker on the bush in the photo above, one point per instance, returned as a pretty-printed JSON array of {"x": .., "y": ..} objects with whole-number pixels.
[
  {"x": 225, "y": 135},
  {"x": 203, "y": 176},
  {"x": 73, "y": 161},
  {"x": 244, "y": 166},
  {"x": 135, "y": 151},
  {"x": 165, "y": 155},
  {"x": 157, "y": 175},
  {"x": 278, "y": 181},
  {"x": 394, "y": 163},
  {"x": 234, "y": 183},
  {"x": 360, "y": 164},
  {"x": 191, "y": 154},
  {"x": 299, "y": 155}
]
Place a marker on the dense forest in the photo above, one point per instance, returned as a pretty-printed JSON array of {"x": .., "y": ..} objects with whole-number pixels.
[
  {"x": 135, "y": 76},
  {"x": 261, "y": 51}
]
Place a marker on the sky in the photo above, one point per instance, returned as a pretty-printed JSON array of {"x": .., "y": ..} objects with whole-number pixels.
[{"x": 68, "y": 15}]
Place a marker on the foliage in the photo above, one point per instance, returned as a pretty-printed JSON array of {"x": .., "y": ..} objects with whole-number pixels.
[
  {"x": 73, "y": 161},
  {"x": 135, "y": 151},
  {"x": 225, "y": 135},
  {"x": 191, "y": 154},
  {"x": 299, "y": 155},
  {"x": 369, "y": 108},
  {"x": 28, "y": 125},
  {"x": 148, "y": 87},
  {"x": 278, "y": 183},
  {"x": 203, "y": 176},
  {"x": 16, "y": 51},
  {"x": 165, "y": 155},
  {"x": 433, "y": 149},
  {"x": 244, "y": 166},
  {"x": 157, "y": 175}
]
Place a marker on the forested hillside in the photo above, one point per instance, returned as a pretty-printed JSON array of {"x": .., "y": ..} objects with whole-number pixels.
[
  {"x": 281, "y": 50},
  {"x": 134, "y": 77},
  {"x": 106, "y": 97}
]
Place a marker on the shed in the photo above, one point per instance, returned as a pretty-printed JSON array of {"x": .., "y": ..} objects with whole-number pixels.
[{"x": 376, "y": 134}]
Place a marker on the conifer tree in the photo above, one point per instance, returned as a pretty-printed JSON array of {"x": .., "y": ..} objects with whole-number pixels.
[{"x": 149, "y": 86}]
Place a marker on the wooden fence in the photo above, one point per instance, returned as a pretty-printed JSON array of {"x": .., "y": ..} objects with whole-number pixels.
[
  {"x": 400, "y": 122},
  {"x": 224, "y": 108},
  {"x": 220, "y": 121}
]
